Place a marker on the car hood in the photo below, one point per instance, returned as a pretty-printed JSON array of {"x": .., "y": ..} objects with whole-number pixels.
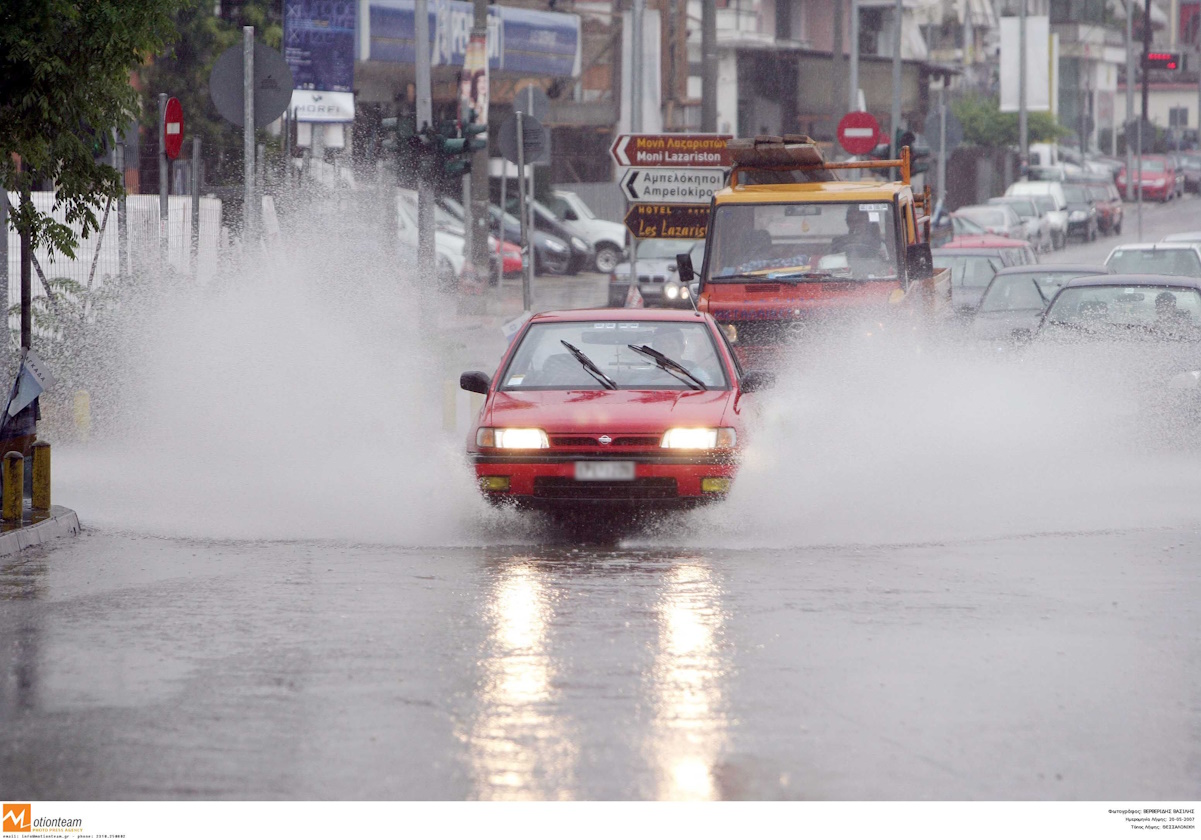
[
  {"x": 1000, "y": 325},
  {"x": 558, "y": 412}
]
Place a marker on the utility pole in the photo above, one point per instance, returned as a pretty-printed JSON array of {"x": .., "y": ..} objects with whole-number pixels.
[
  {"x": 1129, "y": 95},
  {"x": 853, "y": 94},
  {"x": 895, "y": 118},
  {"x": 636, "y": 82},
  {"x": 477, "y": 210},
  {"x": 1023, "y": 121},
  {"x": 709, "y": 65},
  {"x": 425, "y": 118},
  {"x": 249, "y": 211},
  {"x": 837, "y": 72},
  {"x": 162, "y": 179},
  {"x": 1146, "y": 49}
]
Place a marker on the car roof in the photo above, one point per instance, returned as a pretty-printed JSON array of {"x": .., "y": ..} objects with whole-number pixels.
[
  {"x": 619, "y": 314},
  {"x": 1135, "y": 280},
  {"x": 966, "y": 252},
  {"x": 1156, "y": 246},
  {"x": 1062, "y": 268},
  {"x": 985, "y": 241},
  {"x": 1190, "y": 236}
]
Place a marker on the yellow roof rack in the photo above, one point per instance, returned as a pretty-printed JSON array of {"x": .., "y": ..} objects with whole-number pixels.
[{"x": 797, "y": 154}]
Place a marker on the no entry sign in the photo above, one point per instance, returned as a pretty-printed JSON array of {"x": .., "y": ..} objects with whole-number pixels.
[
  {"x": 858, "y": 132},
  {"x": 173, "y": 128}
]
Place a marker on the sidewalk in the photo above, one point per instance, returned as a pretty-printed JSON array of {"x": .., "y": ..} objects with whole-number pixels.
[{"x": 36, "y": 529}]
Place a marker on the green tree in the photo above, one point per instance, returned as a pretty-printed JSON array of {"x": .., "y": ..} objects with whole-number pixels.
[
  {"x": 183, "y": 71},
  {"x": 64, "y": 82},
  {"x": 984, "y": 124}
]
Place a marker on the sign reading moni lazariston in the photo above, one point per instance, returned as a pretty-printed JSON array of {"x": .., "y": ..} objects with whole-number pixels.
[{"x": 671, "y": 150}]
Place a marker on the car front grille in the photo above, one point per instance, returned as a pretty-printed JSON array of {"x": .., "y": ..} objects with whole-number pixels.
[
  {"x": 568, "y": 489},
  {"x": 593, "y": 441}
]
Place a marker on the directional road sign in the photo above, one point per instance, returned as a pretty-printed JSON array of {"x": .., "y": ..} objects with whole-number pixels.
[
  {"x": 671, "y": 150},
  {"x": 675, "y": 186},
  {"x": 668, "y": 221},
  {"x": 858, "y": 132}
]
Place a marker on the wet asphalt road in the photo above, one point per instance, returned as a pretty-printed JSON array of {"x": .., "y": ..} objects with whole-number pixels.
[
  {"x": 1034, "y": 666},
  {"x": 1051, "y": 667}
]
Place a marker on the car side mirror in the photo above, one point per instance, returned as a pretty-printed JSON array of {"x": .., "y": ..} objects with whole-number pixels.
[
  {"x": 684, "y": 267},
  {"x": 756, "y": 380},
  {"x": 919, "y": 262},
  {"x": 474, "y": 381}
]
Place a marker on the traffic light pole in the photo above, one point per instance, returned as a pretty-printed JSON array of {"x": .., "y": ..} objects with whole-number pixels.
[
  {"x": 425, "y": 119},
  {"x": 895, "y": 117},
  {"x": 527, "y": 248},
  {"x": 477, "y": 210},
  {"x": 1146, "y": 49},
  {"x": 1023, "y": 120}
]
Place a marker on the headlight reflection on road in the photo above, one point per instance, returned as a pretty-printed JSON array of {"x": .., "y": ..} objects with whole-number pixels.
[
  {"x": 689, "y": 677},
  {"x": 517, "y": 744}
]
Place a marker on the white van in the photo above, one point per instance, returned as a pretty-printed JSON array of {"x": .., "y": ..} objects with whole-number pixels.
[{"x": 1057, "y": 217}]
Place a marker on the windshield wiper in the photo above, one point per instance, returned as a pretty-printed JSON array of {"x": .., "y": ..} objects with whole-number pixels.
[
  {"x": 590, "y": 366},
  {"x": 671, "y": 366},
  {"x": 800, "y": 275}
]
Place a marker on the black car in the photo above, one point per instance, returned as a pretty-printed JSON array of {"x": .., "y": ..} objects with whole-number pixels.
[
  {"x": 582, "y": 254},
  {"x": 1016, "y": 298},
  {"x": 1082, "y": 212},
  {"x": 551, "y": 254}
]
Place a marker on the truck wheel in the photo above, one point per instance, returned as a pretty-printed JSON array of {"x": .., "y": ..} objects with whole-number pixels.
[{"x": 607, "y": 257}]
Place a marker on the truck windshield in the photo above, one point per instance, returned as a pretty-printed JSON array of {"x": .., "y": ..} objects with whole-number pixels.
[{"x": 799, "y": 242}]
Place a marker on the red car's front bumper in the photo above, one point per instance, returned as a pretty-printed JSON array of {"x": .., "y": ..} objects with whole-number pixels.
[{"x": 549, "y": 482}]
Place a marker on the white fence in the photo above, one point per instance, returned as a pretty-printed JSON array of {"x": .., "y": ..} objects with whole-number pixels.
[{"x": 142, "y": 223}]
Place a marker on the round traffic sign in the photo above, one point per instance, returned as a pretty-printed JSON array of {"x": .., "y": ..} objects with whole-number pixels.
[
  {"x": 858, "y": 132},
  {"x": 272, "y": 84},
  {"x": 173, "y": 128},
  {"x": 533, "y": 137}
]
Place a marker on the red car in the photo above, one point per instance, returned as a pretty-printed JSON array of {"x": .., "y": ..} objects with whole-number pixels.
[
  {"x": 635, "y": 408},
  {"x": 1158, "y": 179}
]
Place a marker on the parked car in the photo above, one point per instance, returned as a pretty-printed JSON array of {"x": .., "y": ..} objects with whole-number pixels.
[
  {"x": 1108, "y": 202},
  {"x": 1016, "y": 298},
  {"x": 591, "y": 410},
  {"x": 1189, "y": 164},
  {"x": 997, "y": 219},
  {"x": 1158, "y": 179},
  {"x": 973, "y": 262},
  {"x": 582, "y": 254},
  {"x": 551, "y": 254},
  {"x": 1058, "y": 215},
  {"x": 606, "y": 238},
  {"x": 657, "y": 274},
  {"x": 1193, "y": 236},
  {"x": 1037, "y": 228},
  {"x": 1181, "y": 259},
  {"x": 449, "y": 244}
]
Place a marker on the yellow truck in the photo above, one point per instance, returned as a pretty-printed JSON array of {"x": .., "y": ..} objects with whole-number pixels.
[{"x": 792, "y": 244}]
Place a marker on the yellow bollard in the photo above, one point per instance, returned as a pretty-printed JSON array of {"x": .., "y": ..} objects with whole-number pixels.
[
  {"x": 14, "y": 487},
  {"x": 41, "y": 475},
  {"x": 83, "y": 414}
]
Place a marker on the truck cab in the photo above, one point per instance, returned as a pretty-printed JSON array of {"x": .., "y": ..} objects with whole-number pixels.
[{"x": 792, "y": 246}]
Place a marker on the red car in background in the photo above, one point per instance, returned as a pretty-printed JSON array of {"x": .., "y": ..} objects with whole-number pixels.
[
  {"x": 632, "y": 408},
  {"x": 1158, "y": 179}
]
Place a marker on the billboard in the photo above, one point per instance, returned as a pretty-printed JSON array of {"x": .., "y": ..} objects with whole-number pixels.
[{"x": 1041, "y": 74}]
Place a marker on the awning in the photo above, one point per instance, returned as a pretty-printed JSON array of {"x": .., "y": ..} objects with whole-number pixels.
[{"x": 523, "y": 41}]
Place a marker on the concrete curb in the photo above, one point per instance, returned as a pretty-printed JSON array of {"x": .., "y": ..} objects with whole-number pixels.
[{"x": 59, "y": 522}]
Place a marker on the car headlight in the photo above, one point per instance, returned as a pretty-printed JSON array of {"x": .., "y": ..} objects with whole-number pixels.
[
  {"x": 1077, "y": 216},
  {"x": 555, "y": 246},
  {"x": 671, "y": 289},
  {"x": 722, "y": 438},
  {"x": 512, "y": 439},
  {"x": 579, "y": 244}
]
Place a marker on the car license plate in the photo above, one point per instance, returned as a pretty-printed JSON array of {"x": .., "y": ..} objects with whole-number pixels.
[{"x": 604, "y": 470}]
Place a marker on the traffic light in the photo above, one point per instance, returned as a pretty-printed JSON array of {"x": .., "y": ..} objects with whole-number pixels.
[
  {"x": 455, "y": 143},
  {"x": 413, "y": 153},
  {"x": 1161, "y": 61}
]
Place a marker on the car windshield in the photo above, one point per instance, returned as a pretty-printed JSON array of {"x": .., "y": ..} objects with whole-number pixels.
[
  {"x": 1024, "y": 209},
  {"x": 782, "y": 242},
  {"x": 1098, "y": 193},
  {"x": 969, "y": 271},
  {"x": 577, "y": 204},
  {"x": 1091, "y": 307},
  {"x": 1151, "y": 165},
  {"x": 985, "y": 215},
  {"x": 1044, "y": 204},
  {"x": 663, "y": 249},
  {"x": 1075, "y": 194},
  {"x": 544, "y": 363},
  {"x": 965, "y": 226},
  {"x": 1026, "y": 290},
  {"x": 1180, "y": 262}
]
